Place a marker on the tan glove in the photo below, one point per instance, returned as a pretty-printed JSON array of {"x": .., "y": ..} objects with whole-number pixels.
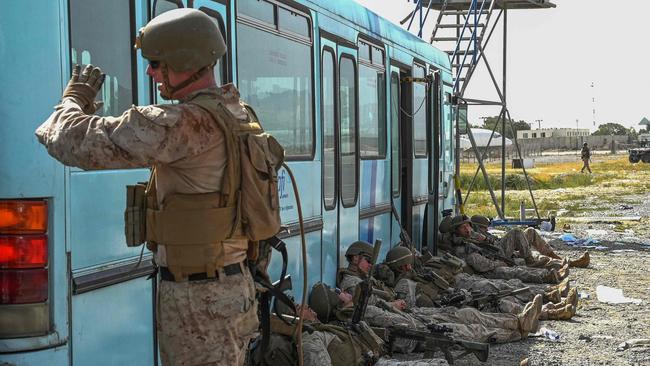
[{"x": 83, "y": 88}]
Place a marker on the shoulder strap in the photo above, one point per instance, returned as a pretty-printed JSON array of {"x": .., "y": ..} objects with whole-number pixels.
[{"x": 222, "y": 117}]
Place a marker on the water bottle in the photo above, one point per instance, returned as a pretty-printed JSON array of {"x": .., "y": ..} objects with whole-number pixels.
[
  {"x": 583, "y": 295},
  {"x": 550, "y": 334}
]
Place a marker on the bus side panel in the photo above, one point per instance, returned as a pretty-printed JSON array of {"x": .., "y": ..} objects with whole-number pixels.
[
  {"x": 97, "y": 203},
  {"x": 120, "y": 340},
  {"x": 54, "y": 356},
  {"x": 31, "y": 59}
]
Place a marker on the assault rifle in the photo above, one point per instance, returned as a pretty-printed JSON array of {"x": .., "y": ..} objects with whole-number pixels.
[
  {"x": 364, "y": 289},
  {"x": 478, "y": 299},
  {"x": 489, "y": 251},
  {"x": 437, "y": 338}
]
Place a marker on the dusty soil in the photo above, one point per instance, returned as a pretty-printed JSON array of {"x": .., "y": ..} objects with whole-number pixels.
[{"x": 620, "y": 259}]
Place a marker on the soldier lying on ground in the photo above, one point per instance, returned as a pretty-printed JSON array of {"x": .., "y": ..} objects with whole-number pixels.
[
  {"x": 493, "y": 265},
  {"x": 470, "y": 323},
  {"x": 523, "y": 242},
  {"x": 419, "y": 291},
  {"x": 329, "y": 338}
]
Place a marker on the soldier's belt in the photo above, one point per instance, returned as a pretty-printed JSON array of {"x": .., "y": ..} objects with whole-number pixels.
[{"x": 229, "y": 270}]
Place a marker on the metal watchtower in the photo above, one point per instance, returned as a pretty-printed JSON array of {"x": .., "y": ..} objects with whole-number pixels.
[{"x": 464, "y": 28}]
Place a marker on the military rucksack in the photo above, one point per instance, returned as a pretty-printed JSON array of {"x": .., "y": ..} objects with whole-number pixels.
[{"x": 251, "y": 180}]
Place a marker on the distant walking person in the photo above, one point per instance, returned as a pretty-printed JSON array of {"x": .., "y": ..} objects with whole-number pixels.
[{"x": 585, "y": 155}]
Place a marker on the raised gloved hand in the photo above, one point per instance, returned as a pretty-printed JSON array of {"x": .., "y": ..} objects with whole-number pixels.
[{"x": 83, "y": 88}]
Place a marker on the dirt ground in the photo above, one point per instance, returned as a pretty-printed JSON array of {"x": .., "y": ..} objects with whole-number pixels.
[{"x": 620, "y": 258}]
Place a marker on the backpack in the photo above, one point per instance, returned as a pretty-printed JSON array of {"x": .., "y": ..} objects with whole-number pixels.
[{"x": 251, "y": 180}]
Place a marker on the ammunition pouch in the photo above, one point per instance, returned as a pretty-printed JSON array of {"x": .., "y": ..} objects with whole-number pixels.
[{"x": 135, "y": 215}]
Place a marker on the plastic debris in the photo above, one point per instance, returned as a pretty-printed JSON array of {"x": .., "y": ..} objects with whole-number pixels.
[
  {"x": 583, "y": 295},
  {"x": 546, "y": 226},
  {"x": 613, "y": 295},
  {"x": 549, "y": 334},
  {"x": 588, "y": 243},
  {"x": 568, "y": 237}
]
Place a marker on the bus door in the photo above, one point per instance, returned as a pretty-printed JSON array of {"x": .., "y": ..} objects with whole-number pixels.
[
  {"x": 340, "y": 161},
  {"x": 446, "y": 190},
  {"x": 417, "y": 168}
]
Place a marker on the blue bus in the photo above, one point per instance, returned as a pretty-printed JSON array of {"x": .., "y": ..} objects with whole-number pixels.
[{"x": 328, "y": 78}]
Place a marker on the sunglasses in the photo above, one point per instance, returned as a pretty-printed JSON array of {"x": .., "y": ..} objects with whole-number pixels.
[{"x": 154, "y": 64}]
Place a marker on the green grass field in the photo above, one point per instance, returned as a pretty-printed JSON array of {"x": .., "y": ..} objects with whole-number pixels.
[{"x": 557, "y": 186}]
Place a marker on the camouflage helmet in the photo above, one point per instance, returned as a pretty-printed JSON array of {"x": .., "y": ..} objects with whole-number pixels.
[
  {"x": 359, "y": 247},
  {"x": 184, "y": 39},
  {"x": 398, "y": 257},
  {"x": 459, "y": 220},
  {"x": 445, "y": 225},
  {"x": 323, "y": 301},
  {"x": 480, "y": 220}
]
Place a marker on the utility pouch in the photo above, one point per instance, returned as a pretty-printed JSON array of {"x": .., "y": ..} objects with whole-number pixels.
[{"x": 135, "y": 215}]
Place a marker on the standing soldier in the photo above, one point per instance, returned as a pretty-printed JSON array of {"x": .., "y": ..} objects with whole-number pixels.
[
  {"x": 585, "y": 155},
  {"x": 206, "y": 301}
]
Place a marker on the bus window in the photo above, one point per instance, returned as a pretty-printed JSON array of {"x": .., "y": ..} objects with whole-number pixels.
[
  {"x": 275, "y": 76},
  {"x": 377, "y": 56},
  {"x": 372, "y": 115},
  {"x": 394, "y": 132},
  {"x": 348, "y": 126},
  {"x": 329, "y": 133},
  {"x": 258, "y": 9},
  {"x": 219, "y": 69},
  {"x": 162, "y": 6},
  {"x": 105, "y": 41},
  {"x": 293, "y": 22},
  {"x": 364, "y": 51},
  {"x": 420, "y": 114}
]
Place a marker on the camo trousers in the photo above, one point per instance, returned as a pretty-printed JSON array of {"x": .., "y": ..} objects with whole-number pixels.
[
  {"x": 473, "y": 324},
  {"x": 208, "y": 322}
]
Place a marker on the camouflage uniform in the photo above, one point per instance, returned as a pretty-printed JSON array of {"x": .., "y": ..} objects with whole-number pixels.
[
  {"x": 199, "y": 322},
  {"x": 496, "y": 269},
  {"x": 523, "y": 242},
  {"x": 469, "y": 324}
]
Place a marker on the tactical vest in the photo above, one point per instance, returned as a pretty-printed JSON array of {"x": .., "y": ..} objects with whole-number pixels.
[{"x": 193, "y": 227}]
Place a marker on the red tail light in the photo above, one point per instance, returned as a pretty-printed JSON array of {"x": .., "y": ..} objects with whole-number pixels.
[
  {"x": 23, "y": 286},
  {"x": 23, "y": 251}
]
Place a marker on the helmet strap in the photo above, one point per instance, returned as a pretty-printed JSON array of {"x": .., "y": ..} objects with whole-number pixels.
[{"x": 169, "y": 89}]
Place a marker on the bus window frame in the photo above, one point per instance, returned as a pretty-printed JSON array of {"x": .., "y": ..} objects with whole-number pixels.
[
  {"x": 222, "y": 28},
  {"x": 135, "y": 97},
  {"x": 335, "y": 85},
  {"x": 379, "y": 68},
  {"x": 427, "y": 117},
  {"x": 398, "y": 161},
  {"x": 275, "y": 30},
  {"x": 356, "y": 134}
]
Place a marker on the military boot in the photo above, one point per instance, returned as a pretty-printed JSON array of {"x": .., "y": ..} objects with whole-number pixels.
[
  {"x": 572, "y": 298},
  {"x": 553, "y": 296},
  {"x": 529, "y": 317},
  {"x": 551, "y": 276},
  {"x": 581, "y": 262},
  {"x": 563, "y": 272},
  {"x": 563, "y": 287},
  {"x": 561, "y": 313}
]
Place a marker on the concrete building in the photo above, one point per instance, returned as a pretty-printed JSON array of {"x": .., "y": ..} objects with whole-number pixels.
[{"x": 552, "y": 132}]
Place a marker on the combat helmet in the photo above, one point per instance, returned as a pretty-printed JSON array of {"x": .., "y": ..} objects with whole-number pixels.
[
  {"x": 184, "y": 39},
  {"x": 359, "y": 247},
  {"x": 480, "y": 220},
  {"x": 398, "y": 257},
  {"x": 323, "y": 301},
  {"x": 445, "y": 225},
  {"x": 458, "y": 220}
]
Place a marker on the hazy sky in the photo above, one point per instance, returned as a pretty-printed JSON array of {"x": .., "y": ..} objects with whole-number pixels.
[{"x": 554, "y": 55}]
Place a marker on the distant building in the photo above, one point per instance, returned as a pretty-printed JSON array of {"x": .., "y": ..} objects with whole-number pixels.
[{"x": 552, "y": 132}]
